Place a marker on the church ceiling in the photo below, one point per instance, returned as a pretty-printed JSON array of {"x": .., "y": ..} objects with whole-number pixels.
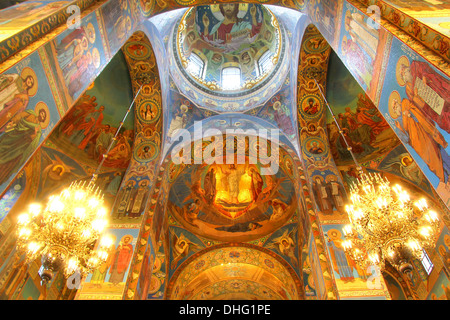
[
  {"x": 201, "y": 47},
  {"x": 202, "y": 203},
  {"x": 248, "y": 270}
]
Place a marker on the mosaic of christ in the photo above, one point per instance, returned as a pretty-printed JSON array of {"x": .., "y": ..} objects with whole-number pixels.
[{"x": 231, "y": 201}]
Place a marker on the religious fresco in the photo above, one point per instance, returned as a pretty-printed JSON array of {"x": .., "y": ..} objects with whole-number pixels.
[
  {"x": 251, "y": 33},
  {"x": 28, "y": 114},
  {"x": 182, "y": 114},
  {"x": 79, "y": 54},
  {"x": 22, "y": 16},
  {"x": 416, "y": 109},
  {"x": 400, "y": 163},
  {"x": 13, "y": 194},
  {"x": 328, "y": 13},
  {"x": 57, "y": 171},
  {"x": 441, "y": 288},
  {"x": 156, "y": 287},
  {"x": 313, "y": 279},
  {"x": 348, "y": 275},
  {"x": 316, "y": 157},
  {"x": 284, "y": 242},
  {"x": 279, "y": 111},
  {"x": 434, "y": 15},
  {"x": 130, "y": 201},
  {"x": 118, "y": 23},
  {"x": 419, "y": 35},
  {"x": 24, "y": 23},
  {"x": 137, "y": 54},
  {"x": 443, "y": 250},
  {"x": 242, "y": 50},
  {"x": 361, "y": 46},
  {"x": 135, "y": 199},
  {"x": 364, "y": 128},
  {"x": 231, "y": 201},
  {"x": 108, "y": 281},
  {"x": 87, "y": 130},
  {"x": 182, "y": 244},
  {"x": 325, "y": 183},
  {"x": 277, "y": 280}
]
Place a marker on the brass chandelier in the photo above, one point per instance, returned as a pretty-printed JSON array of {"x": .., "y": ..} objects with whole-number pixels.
[
  {"x": 385, "y": 223},
  {"x": 65, "y": 232}
]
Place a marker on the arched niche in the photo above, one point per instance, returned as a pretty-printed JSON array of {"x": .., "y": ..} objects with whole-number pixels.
[{"x": 242, "y": 271}]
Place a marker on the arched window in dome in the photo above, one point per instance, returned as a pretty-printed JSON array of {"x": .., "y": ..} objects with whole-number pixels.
[
  {"x": 231, "y": 78},
  {"x": 426, "y": 262},
  {"x": 196, "y": 65},
  {"x": 264, "y": 63}
]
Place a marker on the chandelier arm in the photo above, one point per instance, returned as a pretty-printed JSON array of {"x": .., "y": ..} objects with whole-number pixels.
[
  {"x": 66, "y": 233},
  {"x": 95, "y": 175},
  {"x": 358, "y": 166}
]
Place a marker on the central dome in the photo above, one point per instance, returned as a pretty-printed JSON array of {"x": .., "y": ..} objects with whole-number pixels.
[{"x": 228, "y": 51}]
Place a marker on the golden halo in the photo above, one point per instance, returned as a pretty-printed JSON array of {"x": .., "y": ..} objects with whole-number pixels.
[
  {"x": 141, "y": 182},
  {"x": 447, "y": 240},
  {"x": 277, "y": 104},
  {"x": 89, "y": 57},
  {"x": 403, "y": 160},
  {"x": 41, "y": 105},
  {"x": 334, "y": 234},
  {"x": 96, "y": 58},
  {"x": 155, "y": 284},
  {"x": 90, "y": 32},
  {"x": 442, "y": 250},
  {"x": 184, "y": 108},
  {"x": 59, "y": 166},
  {"x": 315, "y": 177},
  {"x": 27, "y": 71},
  {"x": 91, "y": 85},
  {"x": 403, "y": 60},
  {"x": 127, "y": 236},
  {"x": 84, "y": 43},
  {"x": 126, "y": 183},
  {"x": 394, "y": 95}
]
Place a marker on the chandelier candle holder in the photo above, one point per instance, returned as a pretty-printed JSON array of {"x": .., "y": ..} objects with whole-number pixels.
[
  {"x": 385, "y": 223},
  {"x": 67, "y": 232}
]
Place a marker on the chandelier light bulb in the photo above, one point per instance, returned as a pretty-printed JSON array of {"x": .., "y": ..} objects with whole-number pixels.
[
  {"x": 347, "y": 229},
  {"x": 432, "y": 216},
  {"x": 65, "y": 233},
  {"x": 23, "y": 219},
  {"x": 421, "y": 204},
  {"x": 80, "y": 213},
  {"x": 34, "y": 209},
  {"x": 56, "y": 205},
  {"x": 386, "y": 224},
  {"x": 106, "y": 242},
  {"x": 101, "y": 213}
]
